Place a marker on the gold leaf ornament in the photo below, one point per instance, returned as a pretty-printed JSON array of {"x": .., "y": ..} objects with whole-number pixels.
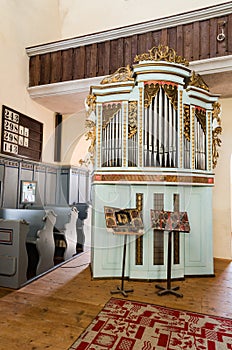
[{"x": 161, "y": 53}]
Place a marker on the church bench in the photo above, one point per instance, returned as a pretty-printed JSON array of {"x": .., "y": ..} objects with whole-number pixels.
[{"x": 40, "y": 243}]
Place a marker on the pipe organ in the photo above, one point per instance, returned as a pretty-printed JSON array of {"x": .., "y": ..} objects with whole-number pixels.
[{"x": 154, "y": 130}]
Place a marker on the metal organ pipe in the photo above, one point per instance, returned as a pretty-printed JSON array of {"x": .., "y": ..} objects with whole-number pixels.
[
  {"x": 170, "y": 127},
  {"x": 111, "y": 142},
  {"x": 155, "y": 117},
  {"x": 166, "y": 122},
  {"x": 174, "y": 134},
  {"x": 200, "y": 146},
  {"x": 160, "y": 132},
  {"x": 151, "y": 133}
]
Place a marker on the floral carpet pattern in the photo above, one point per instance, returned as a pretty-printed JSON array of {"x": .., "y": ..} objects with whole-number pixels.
[{"x": 126, "y": 325}]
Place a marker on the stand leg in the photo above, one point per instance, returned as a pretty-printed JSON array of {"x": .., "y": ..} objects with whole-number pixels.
[
  {"x": 169, "y": 289},
  {"x": 121, "y": 289}
]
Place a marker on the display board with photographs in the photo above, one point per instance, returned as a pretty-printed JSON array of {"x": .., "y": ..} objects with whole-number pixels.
[
  {"x": 170, "y": 221},
  {"x": 124, "y": 221}
]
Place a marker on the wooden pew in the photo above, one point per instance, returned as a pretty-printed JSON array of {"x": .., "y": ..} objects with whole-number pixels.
[
  {"x": 65, "y": 231},
  {"x": 82, "y": 215},
  {"x": 40, "y": 240},
  {"x": 45, "y": 243},
  {"x": 13, "y": 253}
]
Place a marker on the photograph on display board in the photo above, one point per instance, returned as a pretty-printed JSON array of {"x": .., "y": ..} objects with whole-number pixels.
[
  {"x": 124, "y": 221},
  {"x": 170, "y": 221}
]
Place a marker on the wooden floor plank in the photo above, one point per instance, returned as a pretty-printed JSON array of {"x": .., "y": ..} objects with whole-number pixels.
[{"x": 52, "y": 311}]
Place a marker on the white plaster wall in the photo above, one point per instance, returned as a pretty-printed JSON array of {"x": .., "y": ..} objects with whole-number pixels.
[
  {"x": 73, "y": 128},
  {"x": 222, "y": 189},
  {"x": 26, "y": 23},
  {"x": 79, "y": 17}
]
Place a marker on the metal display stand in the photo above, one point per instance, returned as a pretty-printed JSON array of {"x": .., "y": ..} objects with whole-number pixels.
[
  {"x": 171, "y": 222},
  {"x": 121, "y": 289},
  {"x": 169, "y": 289},
  {"x": 124, "y": 222}
]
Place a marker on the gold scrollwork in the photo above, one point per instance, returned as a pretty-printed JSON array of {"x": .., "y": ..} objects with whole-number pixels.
[
  {"x": 139, "y": 240},
  {"x": 90, "y": 135},
  {"x": 132, "y": 118},
  {"x": 187, "y": 122},
  {"x": 108, "y": 112},
  {"x": 172, "y": 93},
  {"x": 161, "y": 53},
  {"x": 216, "y": 112},
  {"x": 121, "y": 74},
  {"x": 90, "y": 104},
  {"x": 201, "y": 116},
  {"x": 216, "y": 141},
  {"x": 90, "y": 125},
  {"x": 197, "y": 80},
  {"x": 150, "y": 91}
]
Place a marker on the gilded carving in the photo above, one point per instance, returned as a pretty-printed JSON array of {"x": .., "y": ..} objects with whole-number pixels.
[
  {"x": 139, "y": 240},
  {"x": 99, "y": 112},
  {"x": 216, "y": 143},
  {"x": 124, "y": 137},
  {"x": 161, "y": 53},
  {"x": 216, "y": 112},
  {"x": 90, "y": 104},
  {"x": 187, "y": 126},
  {"x": 201, "y": 116},
  {"x": 108, "y": 112},
  {"x": 209, "y": 141},
  {"x": 172, "y": 93},
  {"x": 197, "y": 81},
  {"x": 150, "y": 91},
  {"x": 140, "y": 128},
  {"x": 121, "y": 74},
  {"x": 132, "y": 118},
  {"x": 90, "y": 124},
  {"x": 193, "y": 137},
  {"x": 90, "y": 135},
  {"x": 217, "y": 130}
]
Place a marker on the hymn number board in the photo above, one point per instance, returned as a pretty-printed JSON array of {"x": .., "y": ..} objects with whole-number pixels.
[{"x": 21, "y": 135}]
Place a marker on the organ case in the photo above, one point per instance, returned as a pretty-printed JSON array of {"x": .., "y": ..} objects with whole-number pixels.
[{"x": 155, "y": 131}]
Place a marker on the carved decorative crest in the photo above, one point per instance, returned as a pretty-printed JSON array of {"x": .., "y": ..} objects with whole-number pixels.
[
  {"x": 196, "y": 80},
  {"x": 122, "y": 74},
  {"x": 161, "y": 53}
]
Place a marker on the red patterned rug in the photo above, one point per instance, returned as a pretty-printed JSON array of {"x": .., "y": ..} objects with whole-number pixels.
[{"x": 126, "y": 325}]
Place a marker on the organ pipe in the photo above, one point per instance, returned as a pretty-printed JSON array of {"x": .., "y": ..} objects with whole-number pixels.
[{"x": 160, "y": 132}]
